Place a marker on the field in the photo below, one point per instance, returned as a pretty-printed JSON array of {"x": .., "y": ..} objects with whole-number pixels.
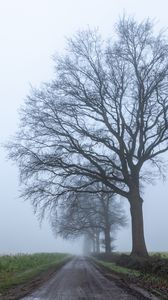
[{"x": 21, "y": 268}]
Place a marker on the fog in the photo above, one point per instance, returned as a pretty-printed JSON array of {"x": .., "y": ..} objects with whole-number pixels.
[{"x": 30, "y": 33}]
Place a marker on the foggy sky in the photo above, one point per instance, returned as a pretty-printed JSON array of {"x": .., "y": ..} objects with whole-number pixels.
[{"x": 31, "y": 31}]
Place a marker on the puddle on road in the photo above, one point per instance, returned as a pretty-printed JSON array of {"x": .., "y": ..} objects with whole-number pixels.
[
  {"x": 30, "y": 298},
  {"x": 41, "y": 298}
]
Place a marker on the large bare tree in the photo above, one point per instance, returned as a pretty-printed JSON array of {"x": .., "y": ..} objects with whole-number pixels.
[{"x": 103, "y": 117}]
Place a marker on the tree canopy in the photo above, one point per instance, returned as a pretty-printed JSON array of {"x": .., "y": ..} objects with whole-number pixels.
[{"x": 103, "y": 118}]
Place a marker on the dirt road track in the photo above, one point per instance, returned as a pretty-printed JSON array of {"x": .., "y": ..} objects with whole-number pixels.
[{"x": 80, "y": 280}]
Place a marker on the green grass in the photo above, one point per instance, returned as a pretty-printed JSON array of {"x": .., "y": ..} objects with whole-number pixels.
[
  {"x": 17, "y": 269},
  {"x": 118, "y": 269},
  {"x": 156, "y": 284},
  {"x": 159, "y": 254}
]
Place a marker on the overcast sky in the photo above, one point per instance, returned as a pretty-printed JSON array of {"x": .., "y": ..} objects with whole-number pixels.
[{"x": 31, "y": 31}]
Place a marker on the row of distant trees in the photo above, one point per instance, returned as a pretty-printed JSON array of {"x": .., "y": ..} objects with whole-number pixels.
[
  {"x": 102, "y": 123},
  {"x": 96, "y": 215}
]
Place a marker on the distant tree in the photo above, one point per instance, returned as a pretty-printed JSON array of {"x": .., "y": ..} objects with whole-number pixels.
[
  {"x": 103, "y": 117},
  {"x": 90, "y": 214},
  {"x": 74, "y": 222}
]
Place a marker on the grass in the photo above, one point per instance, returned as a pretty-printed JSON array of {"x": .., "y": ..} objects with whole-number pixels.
[
  {"x": 118, "y": 269},
  {"x": 18, "y": 269},
  {"x": 156, "y": 284},
  {"x": 160, "y": 254}
]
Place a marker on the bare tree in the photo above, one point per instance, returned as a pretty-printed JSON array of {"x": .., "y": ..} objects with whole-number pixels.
[
  {"x": 104, "y": 117},
  {"x": 90, "y": 214},
  {"x": 78, "y": 218}
]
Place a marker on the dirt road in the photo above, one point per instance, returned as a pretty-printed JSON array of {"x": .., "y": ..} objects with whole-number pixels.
[{"x": 80, "y": 280}]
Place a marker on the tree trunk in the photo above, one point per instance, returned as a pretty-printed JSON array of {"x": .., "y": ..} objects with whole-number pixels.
[
  {"x": 97, "y": 242},
  {"x": 105, "y": 206},
  {"x": 138, "y": 239},
  {"x": 94, "y": 245},
  {"x": 107, "y": 240}
]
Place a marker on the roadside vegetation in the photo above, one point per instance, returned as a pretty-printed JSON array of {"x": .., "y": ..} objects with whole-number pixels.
[
  {"x": 18, "y": 269},
  {"x": 150, "y": 273}
]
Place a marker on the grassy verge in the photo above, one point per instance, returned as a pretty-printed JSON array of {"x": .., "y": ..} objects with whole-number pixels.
[
  {"x": 159, "y": 254},
  {"x": 118, "y": 269},
  {"x": 18, "y": 269},
  {"x": 156, "y": 284}
]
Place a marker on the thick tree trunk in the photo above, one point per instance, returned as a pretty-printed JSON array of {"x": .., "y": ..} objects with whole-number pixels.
[{"x": 138, "y": 239}]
